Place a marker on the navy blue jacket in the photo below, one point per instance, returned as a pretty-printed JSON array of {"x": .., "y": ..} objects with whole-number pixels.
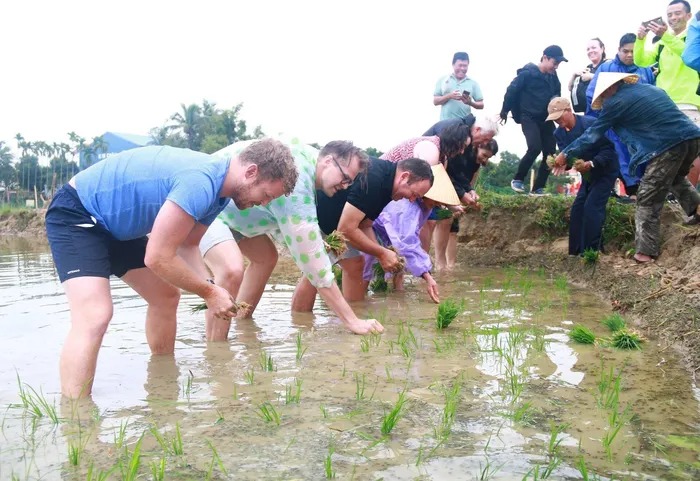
[
  {"x": 601, "y": 153},
  {"x": 645, "y": 119}
]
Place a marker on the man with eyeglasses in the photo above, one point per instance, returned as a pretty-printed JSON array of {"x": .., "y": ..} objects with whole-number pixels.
[
  {"x": 353, "y": 211},
  {"x": 292, "y": 221}
]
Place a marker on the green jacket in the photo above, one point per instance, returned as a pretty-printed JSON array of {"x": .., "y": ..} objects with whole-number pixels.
[{"x": 678, "y": 80}]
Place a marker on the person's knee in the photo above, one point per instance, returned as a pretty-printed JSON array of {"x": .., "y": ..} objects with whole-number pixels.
[
  {"x": 230, "y": 278},
  {"x": 92, "y": 318}
]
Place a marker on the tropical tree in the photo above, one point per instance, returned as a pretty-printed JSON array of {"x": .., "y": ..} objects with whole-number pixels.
[
  {"x": 189, "y": 122},
  {"x": 8, "y": 174}
]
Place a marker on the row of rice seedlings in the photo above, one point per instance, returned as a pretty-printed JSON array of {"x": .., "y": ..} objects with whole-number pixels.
[
  {"x": 301, "y": 350},
  {"x": 374, "y": 339},
  {"x": 445, "y": 343},
  {"x": 392, "y": 417},
  {"x": 443, "y": 429},
  {"x": 621, "y": 339},
  {"x": 360, "y": 386},
  {"x": 266, "y": 362},
  {"x": 267, "y": 412},
  {"x": 171, "y": 446},
  {"x": 447, "y": 312},
  {"x": 292, "y": 393}
]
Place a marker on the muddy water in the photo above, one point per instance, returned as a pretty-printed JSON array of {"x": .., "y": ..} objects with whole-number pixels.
[{"x": 526, "y": 399}]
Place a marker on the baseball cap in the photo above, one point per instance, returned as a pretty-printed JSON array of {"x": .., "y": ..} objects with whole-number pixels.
[
  {"x": 557, "y": 106},
  {"x": 555, "y": 52}
]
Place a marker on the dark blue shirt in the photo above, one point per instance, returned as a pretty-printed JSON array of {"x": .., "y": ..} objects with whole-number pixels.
[
  {"x": 645, "y": 119},
  {"x": 601, "y": 153}
]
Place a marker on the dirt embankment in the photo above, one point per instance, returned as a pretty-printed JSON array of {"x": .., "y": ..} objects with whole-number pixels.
[{"x": 662, "y": 299}]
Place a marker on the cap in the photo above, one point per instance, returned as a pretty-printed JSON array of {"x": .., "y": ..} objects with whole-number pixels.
[
  {"x": 557, "y": 106},
  {"x": 555, "y": 52}
]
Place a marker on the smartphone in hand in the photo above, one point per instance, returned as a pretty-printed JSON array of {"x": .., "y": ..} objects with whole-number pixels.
[{"x": 657, "y": 21}]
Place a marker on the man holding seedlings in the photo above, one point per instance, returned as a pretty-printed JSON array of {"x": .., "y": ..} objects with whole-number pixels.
[
  {"x": 352, "y": 212},
  {"x": 292, "y": 221},
  {"x": 661, "y": 137},
  {"x": 98, "y": 223},
  {"x": 598, "y": 169},
  {"x": 399, "y": 226}
]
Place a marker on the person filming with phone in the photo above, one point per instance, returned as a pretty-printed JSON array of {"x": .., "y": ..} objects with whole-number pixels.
[
  {"x": 678, "y": 80},
  {"x": 456, "y": 93}
]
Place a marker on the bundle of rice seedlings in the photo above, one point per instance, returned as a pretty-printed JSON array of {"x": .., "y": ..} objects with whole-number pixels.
[
  {"x": 550, "y": 161},
  {"x": 238, "y": 307},
  {"x": 590, "y": 256},
  {"x": 378, "y": 284},
  {"x": 578, "y": 164},
  {"x": 402, "y": 262},
  {"x": 446, "y": 313},
  {"x": 336, "y": 243},
  {"x": 582, "y": 335},
  {"x": 443, "y": 214},
  {"x": 626, "y": 339},
  {"x": 338, "y": 274},
  {"x": 614, "y": 322}
]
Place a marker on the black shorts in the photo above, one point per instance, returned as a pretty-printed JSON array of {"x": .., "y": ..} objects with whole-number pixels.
[
  {"x": 454, "y": 227},
  {"x": 81, "y": 247}
]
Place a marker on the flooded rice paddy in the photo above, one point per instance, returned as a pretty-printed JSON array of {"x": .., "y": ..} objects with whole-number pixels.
[{"x": 502, "y": 393}]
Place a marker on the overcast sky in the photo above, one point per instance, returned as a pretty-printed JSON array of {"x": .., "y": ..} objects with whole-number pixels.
[{"x": 320, "y": 70}]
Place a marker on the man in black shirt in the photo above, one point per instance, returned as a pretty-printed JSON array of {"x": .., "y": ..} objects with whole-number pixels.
[{"x": 352, "y": 213}]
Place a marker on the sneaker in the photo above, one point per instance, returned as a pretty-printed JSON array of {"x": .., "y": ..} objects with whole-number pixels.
[
  {"x": 517, "y": 185},
  {"x": 624, "y": 200},
  {"x": 538, "y": 192}
]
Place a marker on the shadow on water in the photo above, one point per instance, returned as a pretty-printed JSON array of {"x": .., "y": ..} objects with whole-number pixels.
[{"x": 502, "y": 393}]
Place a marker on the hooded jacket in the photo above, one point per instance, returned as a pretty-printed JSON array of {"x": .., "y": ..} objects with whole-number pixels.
[{"x": 529, "y": 94}]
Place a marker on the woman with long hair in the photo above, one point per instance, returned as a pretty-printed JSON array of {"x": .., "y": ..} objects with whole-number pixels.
[{"x": 595, "y": 49}]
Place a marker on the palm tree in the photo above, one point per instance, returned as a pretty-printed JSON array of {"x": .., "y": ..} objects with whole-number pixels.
[{"x": 189, "y": 122}]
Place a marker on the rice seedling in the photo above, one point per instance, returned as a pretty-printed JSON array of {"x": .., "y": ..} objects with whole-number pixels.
[
  {"x": 582, "y": 335},
  {"x": 130, "y": 470},
  {"x": 590, "y": 256},
  {"x": 187, "y": 386},
  {"x": 445, "y": 344},
  {"x": 446, "y": 313},
  {"x": 488, "y": 471},
  {"x": 324, "y": 411},
  {"x": 93, "y": 474},
  {"x": 388, "y": 372},
  {"x": 120, "y": 435},
  {"x": 300, "y": 349},
  {"x": 626, "y": 339},
  {"x": 292, "y": 394},
  {"x": 561, "y": 284},
  {"x": 215, "y": 461},
  {"x": 378, "y": 283},
  {"x": 158, "y": 470},
  {"x": 444, "y": 427},
  {"x": 614, "y": 322},
  {"x": 539, "y": 342},
  {"x": 75, "y": 452},
  {"x": 442, "y": 213},
  {"x": 522, "y": 414},
  {"x": 338, "y": 275},
  {"x": 328, "y": 463},
  {"x": 392, "y": 417},
  {"x": 554, "y": 439},
  {"x": 268, "y": 413},
  {"x": 360, "y": 384},
  {"x": 525, "y": 286},
  {"x": 236, "y": 308},
  {"x": 249, "y": 376},
  {"x": 35, "y": 403},
  {"x": 609, "y": 386},
  {"x": 266, "y": 362},
  {"x": 615, "y": 423}
]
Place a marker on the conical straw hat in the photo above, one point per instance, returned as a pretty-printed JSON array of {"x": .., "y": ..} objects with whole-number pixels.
[
  {"x": 442, "y": 191},
  {"x": 607, "y": 80}
]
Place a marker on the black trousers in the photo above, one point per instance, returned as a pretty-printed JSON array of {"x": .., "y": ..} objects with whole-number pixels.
[
  {"x": 539, "y": 136},
  {"x": 588, "y": 214}
]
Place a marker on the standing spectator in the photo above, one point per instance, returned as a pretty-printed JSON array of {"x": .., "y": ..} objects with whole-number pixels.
[
  {"x": 528, "y": 96},
  {"x": 598, "y": 176},
  {"x": 622, "y": 63},
  {"x": 678, "y": 80},
  {"x": 456, "y": 93},
  {"x": 660, "y": 137},
  {"x": 580, "y": 80}
]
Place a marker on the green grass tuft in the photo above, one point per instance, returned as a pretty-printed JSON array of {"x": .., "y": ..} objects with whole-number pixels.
[
  {"x": 626, "y": 339},
  {"x": 446, "y": 313},
  {"x": 614, "y": 322},
  {"x": 582, "y": 335},
  {"x": 590, "y": 256}
]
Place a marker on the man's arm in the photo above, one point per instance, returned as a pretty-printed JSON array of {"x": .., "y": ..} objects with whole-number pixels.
[
  {"x": 595, "y": 132},
  {"x": 691, "y": 54},
  {"x": 173, "y": 228},
  {"x": 349, "y": 225},
  {"x": 673, "y": 43},
  {"x": 642, "y": 56}
]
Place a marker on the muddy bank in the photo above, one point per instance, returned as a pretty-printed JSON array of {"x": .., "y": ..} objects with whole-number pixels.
[
  {"x": 27, "y": 223},
  {"x": 662, "y": 299}
]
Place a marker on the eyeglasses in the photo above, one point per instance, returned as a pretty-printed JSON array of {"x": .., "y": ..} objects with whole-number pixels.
[{"x": 347, "y": 180}]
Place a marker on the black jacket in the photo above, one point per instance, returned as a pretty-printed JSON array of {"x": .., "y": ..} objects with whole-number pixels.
[{"x": 529, "y": 94}]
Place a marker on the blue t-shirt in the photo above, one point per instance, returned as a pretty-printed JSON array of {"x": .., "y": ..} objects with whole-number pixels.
[{"x": 125, "y": 192}]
